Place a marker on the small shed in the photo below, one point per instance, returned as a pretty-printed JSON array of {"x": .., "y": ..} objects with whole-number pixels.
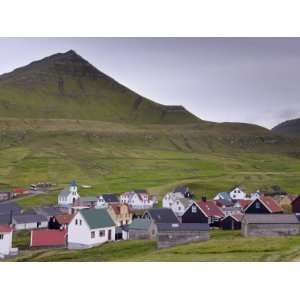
[
  {"x": 142, "y": 229},
  {"x": 29, "y": 221},
  {"x": 48, "y": 238},
  {"x": 232, "y": 222},
  {"x": 270, "y": 225},
  {"x": 169, "y": 235}
]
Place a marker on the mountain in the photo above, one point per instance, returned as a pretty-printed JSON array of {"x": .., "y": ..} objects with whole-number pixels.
[
  {"x": 66, "y": 86},
  {"x": 290, "y": 128}
]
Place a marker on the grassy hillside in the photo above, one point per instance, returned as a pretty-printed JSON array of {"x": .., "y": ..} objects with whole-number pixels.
[
  {"x": 115, "y": 158},
  {"x": 289, "y": 128},
  {"x": 223, "y": 246}
]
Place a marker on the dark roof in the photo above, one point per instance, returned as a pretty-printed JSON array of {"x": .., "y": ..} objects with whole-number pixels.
[
  {"x": 8, "y": 207},
  {"x": 26, "y": 218},
  {"x": 48, "y": 211},
  {"x": 162, "y": 215},
  {"x": 270, "y": 219},
  {"x": 183, "y": 227},
  {"x": 110, "y": 198},
  {"x": 181, "y": 189},
  {"x": 5, "y": 219},
  {"x": 97, "y": 218}
]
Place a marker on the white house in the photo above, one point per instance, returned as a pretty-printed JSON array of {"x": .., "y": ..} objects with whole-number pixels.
[
  {"x": 5, "y": 240},
  {"x": 137, "y": 200},
  {"x": 177, "y": 202},
  {"x": 89, "y": 228},
  {"x": 237, "y": 194},
  {"x": 255, "y": 195},
  {"x": 68, "y": 195}
]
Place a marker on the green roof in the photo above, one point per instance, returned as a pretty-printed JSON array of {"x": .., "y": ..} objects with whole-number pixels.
[
  {"x": 97, "y": 218},
  {"x": 142, "y": 224}
]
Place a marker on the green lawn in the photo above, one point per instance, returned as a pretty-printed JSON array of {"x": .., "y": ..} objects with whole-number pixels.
[{"x": 223, "y": 246}]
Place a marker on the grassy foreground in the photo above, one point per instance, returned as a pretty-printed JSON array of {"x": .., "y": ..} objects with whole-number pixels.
[{"x": 223, "y": 246}]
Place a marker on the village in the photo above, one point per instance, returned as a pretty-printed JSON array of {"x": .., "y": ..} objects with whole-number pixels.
[{"x": 179, "y": 218}]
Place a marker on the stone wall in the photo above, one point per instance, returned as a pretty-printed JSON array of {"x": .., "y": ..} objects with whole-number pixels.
[
  {"x": 270, "y": 229},
  {"x": 170, "y": 238}
]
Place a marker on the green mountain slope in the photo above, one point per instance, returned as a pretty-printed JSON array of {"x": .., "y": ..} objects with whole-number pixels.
[
  {"x": 289, "y": 128},
  {"x": 65, "y": 86}
]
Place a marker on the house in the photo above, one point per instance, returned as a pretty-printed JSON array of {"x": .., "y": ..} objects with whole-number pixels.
[
  {"x": 211, "y": 211},
  {"x": 223, "y": 199},
  {"x": 161, "y": 215},
  {"x": 49, "y": 211},
  {"x": 110, "y": 198},
  {"x": 137, "y": 199},
  {"x": 89, "y": 228},
  {"x": 85, "y": 202},
  {"x": 120, "y": 213},
  {"x": 296, "y": 205},
  {"x": 5, "y": 219},
  {"x": 237, "y": 194},
  {"x": 256, "y": 195},
  {"x": 29, "y": 221},
  {"x": 68, "y": 195},
  {"x": 169, "y": 234},
  {"x": 232, "y": 222},
  {"x": 194, "y": 214},
  {"x": 48, "y": 238},
  {"x": 5, "y": 240},
  {"x": 5, "y": 195},
  {"x": 184, "y": 191},
  {"x": 177, "y": 202},
  {"x": 263, "y": 205},
  {"x": 270, "y": 225},
  {"x": 142, "y": 229},
  {"x": 18, "y": 192},
  {"x": 10, "y": 208},
  {"x": 60, "y": 221}
]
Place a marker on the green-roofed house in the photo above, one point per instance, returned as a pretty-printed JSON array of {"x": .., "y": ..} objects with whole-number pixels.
[{"x": 89, "y": 228}]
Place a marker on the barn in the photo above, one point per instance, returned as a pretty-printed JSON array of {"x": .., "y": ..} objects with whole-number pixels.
[{"x": 270, "y": 225}]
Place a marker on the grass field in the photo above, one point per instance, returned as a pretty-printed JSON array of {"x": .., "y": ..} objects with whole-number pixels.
[{"x": 223, "y": 246}]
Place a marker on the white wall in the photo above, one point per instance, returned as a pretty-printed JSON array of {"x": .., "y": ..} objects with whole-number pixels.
[
  {"x": 29, "y": 226},
  {"x": 81, "y": 234},
  {"x": 6, "y": 243}
]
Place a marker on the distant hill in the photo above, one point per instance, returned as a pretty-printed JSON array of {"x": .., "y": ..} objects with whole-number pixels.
[
  {"x": 290, "y": 128},
  {"x": 66, "y": 86}
]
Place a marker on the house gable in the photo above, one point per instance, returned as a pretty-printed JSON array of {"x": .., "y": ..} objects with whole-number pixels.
[
  {"x": 194, "y": 214},
  {"x": 257, "y": 207}
]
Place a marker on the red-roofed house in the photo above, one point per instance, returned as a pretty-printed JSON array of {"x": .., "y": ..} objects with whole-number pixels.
[
  {"x": 48, "y": 238},
  {"x": 60, "y": 221},
  {"x": 203, "y": 212},
  {"x": 120, "y": 213},
  {"x": 5, "y": 240},
  {"x": 264, "y": 205},
  {"x": 242, "y": 204}
]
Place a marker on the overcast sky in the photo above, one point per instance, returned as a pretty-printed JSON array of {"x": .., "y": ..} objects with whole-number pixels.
[{"x": 253, "y": 80}]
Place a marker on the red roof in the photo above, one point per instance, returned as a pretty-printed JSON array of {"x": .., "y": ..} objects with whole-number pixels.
[
  {"x": 237, "y": 217},
  {"x": 210, "y": 209},
  {"x": 271, "y": 204},
  {"x": 5, "y": 229},
  {"x": 19, "y": 190},
  {"x": 244, "y": 203},
  {"x": 47, "y": 237},
  {"x": 64, "y": 218}
]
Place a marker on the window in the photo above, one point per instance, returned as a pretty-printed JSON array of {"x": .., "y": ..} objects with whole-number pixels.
[
  {"x": 92, "y": 234},
  {"x": 1, "y": 236},
  {"x": 101, "y": 233},
  {"x": 80, "y": 222},
  {"x": 257, "y": 204},
  {"x": 76, "y": 222},
  {"x": 194, "y": 209}
]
